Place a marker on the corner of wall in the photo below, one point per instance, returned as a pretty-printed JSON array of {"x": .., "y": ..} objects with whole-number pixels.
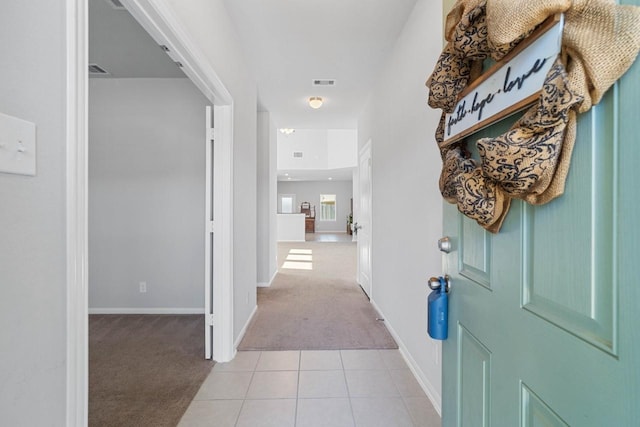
[{"x": 243, "y": 330}]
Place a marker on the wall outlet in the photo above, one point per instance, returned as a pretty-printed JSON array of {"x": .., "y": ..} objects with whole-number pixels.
[{"x": 143, "y": 287}]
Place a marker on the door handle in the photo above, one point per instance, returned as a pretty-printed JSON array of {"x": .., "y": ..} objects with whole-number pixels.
[
  {"x": 437, "y": 282},
  {"x": 356, "y": 227},
  {"x": 444, "y": 244}
]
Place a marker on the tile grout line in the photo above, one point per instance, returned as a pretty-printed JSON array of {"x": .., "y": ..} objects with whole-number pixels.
[
  {"x": 295, "y": 414},
  {"x": 404, "y": 402},
  {"x": 395, "y": 384},
  {"x": 247, "y": 391},
  {"x": 346, "y": 383}
]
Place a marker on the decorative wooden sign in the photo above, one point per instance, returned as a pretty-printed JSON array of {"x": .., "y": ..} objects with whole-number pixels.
[{"x": 509, "y": 86}]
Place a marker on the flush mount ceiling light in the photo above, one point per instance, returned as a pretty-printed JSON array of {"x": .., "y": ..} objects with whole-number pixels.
[
  {"x": 315, "y": 102},
  {"x": 287, "y": 131}
]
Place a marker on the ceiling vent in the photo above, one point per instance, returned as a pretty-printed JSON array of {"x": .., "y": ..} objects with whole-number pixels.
[
  {"x": 297, "y": 154},
  {"x": 116, "y": 4},
  {"x": 95, "y": 69},
  {"x": 324, "y": 82}
]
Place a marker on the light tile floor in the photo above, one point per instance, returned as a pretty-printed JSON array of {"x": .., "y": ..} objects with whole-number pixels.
[{"x": 332, "y": 388}]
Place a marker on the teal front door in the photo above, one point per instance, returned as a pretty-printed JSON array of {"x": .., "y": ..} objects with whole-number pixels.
[{"x": 544, "y": 323}]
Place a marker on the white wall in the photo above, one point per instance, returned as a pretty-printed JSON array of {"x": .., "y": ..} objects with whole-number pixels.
[
  {"x": 266, "y": 200},
  {"x": 146, "y": 194},
  {"x": 309, "y": 191},
  {"x": 342, "y": 148},
  {"x": 321, "y": 148},
  {"x": 407, "y": 206},
  {"x": 32, "y": 235},
  {"x": 206, "y": 23},
  {"x": 311, "y": 142}
]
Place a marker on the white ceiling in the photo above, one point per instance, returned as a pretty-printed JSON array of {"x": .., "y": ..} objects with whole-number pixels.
[
  {"x": 121, "y": 46},
  {"x": 290, "y": 43}
]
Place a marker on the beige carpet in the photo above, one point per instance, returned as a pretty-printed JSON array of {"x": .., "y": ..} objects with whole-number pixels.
[
  {"x": 318, "y": 309},
  {"x": 144, "y": 370}
]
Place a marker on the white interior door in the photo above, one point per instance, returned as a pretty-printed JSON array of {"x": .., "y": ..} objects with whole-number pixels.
[
  {"x": 363, "y": 220},
  {"x": 209, "y": 235},
  {"x": 218, "y": 280}
]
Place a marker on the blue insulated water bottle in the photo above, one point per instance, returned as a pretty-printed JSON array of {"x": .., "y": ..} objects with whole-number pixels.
[{"x": 438, "y": 308}]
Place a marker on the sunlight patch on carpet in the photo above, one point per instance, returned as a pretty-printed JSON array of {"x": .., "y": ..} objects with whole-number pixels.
[
  {"x": 294, "y": 257},
  {"x": 294, "y": 265},
  {"x": 301, "y": 251}
]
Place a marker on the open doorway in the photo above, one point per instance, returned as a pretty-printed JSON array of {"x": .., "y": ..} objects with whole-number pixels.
[
  {"x": 147, "y": 54},
  {"x": 315, "y": 301},
  {"x": 157, "y": 185}
]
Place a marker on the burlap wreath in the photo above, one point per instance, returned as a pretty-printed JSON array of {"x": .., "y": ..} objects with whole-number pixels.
[{"x": 531, "y": 161}]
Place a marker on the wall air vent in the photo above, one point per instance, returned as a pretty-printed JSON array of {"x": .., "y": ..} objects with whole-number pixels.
[
  {"x": 116, "y": 4},
  {"x": 324, "y": 82},
  {"x": 95, "y": 69},
  {"x": 297, "y": 154}
]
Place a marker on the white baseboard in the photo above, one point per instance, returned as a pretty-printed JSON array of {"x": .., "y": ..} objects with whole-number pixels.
[
  {"x": 134, "y": 310},
  {"x": 244, "y": 329},
  {"x": 265, "y": 284},
  {"x": 432, "y": 393}
]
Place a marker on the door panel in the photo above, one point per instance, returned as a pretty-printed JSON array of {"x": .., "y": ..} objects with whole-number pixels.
[
  {"x": 209, "y": 236},
  {"x": 474, "y": 380},
  {"x": 543, "y": 318},
  {"x": 364, "y": 220},
  {"x": 475, "y": 252},
  {"x": 536, "y": 413},
  {"x": 578, "y": 297}
]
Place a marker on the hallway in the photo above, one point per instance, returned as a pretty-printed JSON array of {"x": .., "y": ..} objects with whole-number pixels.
[
  {"x": 315, "y": 303},
  {"x": 345, "y": 388}
]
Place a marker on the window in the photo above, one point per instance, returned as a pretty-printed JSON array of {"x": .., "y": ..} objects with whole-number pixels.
[
  {"x": 287, "y": 203},
  {"x": 327, "y": 207}
]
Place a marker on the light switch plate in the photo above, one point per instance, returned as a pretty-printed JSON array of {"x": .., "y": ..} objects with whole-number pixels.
[{"x": 17, "y": 146}]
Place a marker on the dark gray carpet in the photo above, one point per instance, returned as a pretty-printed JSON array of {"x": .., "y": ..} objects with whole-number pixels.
[
  {"x": 319, "y": 309},
  {"x": 144, "y": 370}
]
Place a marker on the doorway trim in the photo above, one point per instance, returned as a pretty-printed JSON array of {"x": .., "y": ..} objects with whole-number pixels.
[
  {"x": 76, "y": 204},
  {"x": 158, "y": 20}
]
